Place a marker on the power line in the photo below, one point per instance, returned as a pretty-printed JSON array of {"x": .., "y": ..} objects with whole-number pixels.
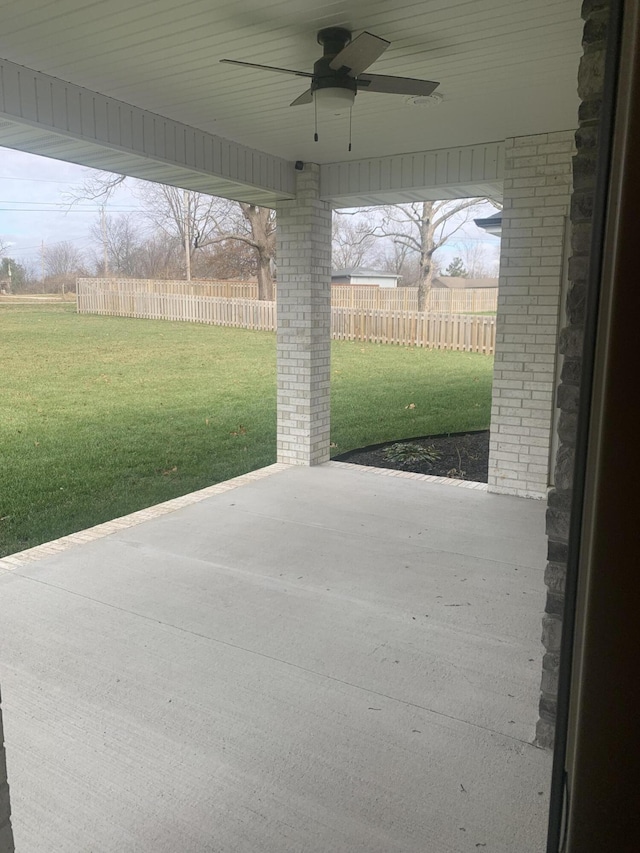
[
  {"x": 81, "y": 205},
  {"x": 63, "y": 205},
  {"x": 93, "y": 210},
  {"x": 22, "y": 248},
  {"x": 33, "y": 180},
  {"x": 79, "y": 238}
]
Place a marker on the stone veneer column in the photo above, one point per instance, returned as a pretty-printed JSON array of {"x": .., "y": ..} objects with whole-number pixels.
[
  {"x": 537, "y": 188},
  {"x": 590, "y": 83},
  {"x": 6, "y": 835},
  {"x": 304, "y": 322}
]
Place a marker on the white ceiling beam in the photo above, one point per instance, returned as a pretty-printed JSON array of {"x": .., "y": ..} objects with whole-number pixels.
[
  {"x": 47, "y": 116},
  {"x": 467, "y": 172}
]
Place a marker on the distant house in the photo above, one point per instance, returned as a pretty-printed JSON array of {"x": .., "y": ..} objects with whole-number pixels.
[
  {"x": 359, "y": 275},
  {"x": 452, "y": 282}
]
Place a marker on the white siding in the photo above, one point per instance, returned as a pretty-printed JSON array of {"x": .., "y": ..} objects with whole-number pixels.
[
  {"x": 473, "y": 170},
  {"x": 49, "y": 116}
]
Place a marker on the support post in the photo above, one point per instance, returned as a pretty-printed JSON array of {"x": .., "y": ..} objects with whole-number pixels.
[
  {"x": 537, "y": 190},
  {"x": 304, "y": 322}
]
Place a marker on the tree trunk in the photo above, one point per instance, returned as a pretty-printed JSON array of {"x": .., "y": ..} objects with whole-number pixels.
[
  {"x": 424, "y": 285},
  {"x": 265, "y": 279},
  {"x": 427, "y": 237},
  {"x": 262, "y": 226}
]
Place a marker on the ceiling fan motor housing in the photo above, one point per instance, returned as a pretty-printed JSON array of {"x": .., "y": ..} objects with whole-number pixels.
[{"x": 333, "y": 40}]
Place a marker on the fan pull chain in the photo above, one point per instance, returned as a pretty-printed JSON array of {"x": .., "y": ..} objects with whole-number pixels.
[{"x": 315, "y": 106}]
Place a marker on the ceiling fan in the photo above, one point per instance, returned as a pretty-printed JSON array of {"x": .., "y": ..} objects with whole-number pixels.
[{"x": 339, "y": 74}]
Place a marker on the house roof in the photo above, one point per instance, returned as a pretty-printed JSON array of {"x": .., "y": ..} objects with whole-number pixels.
[
  {"x": 363, "y": 271},
  {"x": 491, "y": 224},
  {"x": 456, "y": 283}
]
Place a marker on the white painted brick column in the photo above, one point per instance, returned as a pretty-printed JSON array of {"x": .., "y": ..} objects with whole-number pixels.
[
  {"x": 537, "y": 190},
  {"x": 304, "y": 322}
]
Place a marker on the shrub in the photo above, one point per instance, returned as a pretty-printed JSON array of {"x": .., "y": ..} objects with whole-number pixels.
[{"x": 410, "y": 453}]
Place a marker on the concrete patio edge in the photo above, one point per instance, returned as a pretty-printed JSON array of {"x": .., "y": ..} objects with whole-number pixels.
[
  {"x": 90, "y": 534},
  {"x": 409, "y": 475},
  {"x": 55, "y": 546}
]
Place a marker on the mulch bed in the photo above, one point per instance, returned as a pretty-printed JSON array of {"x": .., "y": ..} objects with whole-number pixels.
[{"x": 462, "y": 456}]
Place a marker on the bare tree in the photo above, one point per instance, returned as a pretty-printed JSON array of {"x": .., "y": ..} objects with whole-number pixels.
[
  {"x": 192, "y": 219},
  {"x": 353, "y": 240},
  {"x": 399, "y": 259},
  {"x": 158, "y": 257},
  {"x": 62, "y": 262},
  {"x": 480, "y": 260},
  {"x": 201, "y": 220},
  {"x": 423, "y": 227},
  {"x": 196, "y": 221},
  {"x": 396, "y": 257},
  {"x": 227, "y": 259},
  {"x": 97, "y": 186},
  {"x": 120, "y": 242},
  {"x": 122, "y": 246},
  {"x": 261, "y": 236},
  {"x": 63, "y": 258}
]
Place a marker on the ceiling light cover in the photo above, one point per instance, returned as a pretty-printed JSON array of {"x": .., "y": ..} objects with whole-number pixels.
[{"x": 335, "y": 100}]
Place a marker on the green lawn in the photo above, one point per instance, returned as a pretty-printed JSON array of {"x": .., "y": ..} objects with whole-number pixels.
[{"x": 101, "y": 416}]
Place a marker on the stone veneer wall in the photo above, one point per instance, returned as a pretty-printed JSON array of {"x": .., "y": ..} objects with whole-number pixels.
[
  {"x": 6, "y": 835},
  {"x": 304, "y": 323},
  {"x": 537, "y": 190},
  {"x": 590, "y": 84}
]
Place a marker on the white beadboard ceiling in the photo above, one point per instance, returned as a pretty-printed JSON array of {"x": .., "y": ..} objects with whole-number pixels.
[{"x": 506, "y": 67}]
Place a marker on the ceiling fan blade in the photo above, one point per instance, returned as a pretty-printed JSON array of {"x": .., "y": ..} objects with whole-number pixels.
[
  {"x": 305, "y": 98},
  {"x": 359, "y": 54},
  {"x": 267, "y": 68},
  {"x": 396, "y": 85}
]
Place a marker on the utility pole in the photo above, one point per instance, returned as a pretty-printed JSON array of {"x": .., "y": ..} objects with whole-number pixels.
[
  {"x": 105, "y": 254},
  {"x": 42, "y": 264},
  {"x": 187, "y": 235}
]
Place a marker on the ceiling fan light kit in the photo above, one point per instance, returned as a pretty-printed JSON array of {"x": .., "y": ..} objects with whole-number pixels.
[
  {"x": 334, "y": 100},
  {"x": 338, "y": 76}
]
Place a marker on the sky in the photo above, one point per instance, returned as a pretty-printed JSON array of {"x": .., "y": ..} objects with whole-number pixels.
[
  {"x": 34, "y": 205},
  {"x": 35, "y": 209}
]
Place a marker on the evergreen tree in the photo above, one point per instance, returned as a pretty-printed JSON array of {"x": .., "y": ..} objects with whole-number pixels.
[
  {"x": 13, "y": 275},
  {"x": 456, "y": 268}
]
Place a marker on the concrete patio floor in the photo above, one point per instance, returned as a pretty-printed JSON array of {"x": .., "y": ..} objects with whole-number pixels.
[{"x": 325, "y": 660}]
